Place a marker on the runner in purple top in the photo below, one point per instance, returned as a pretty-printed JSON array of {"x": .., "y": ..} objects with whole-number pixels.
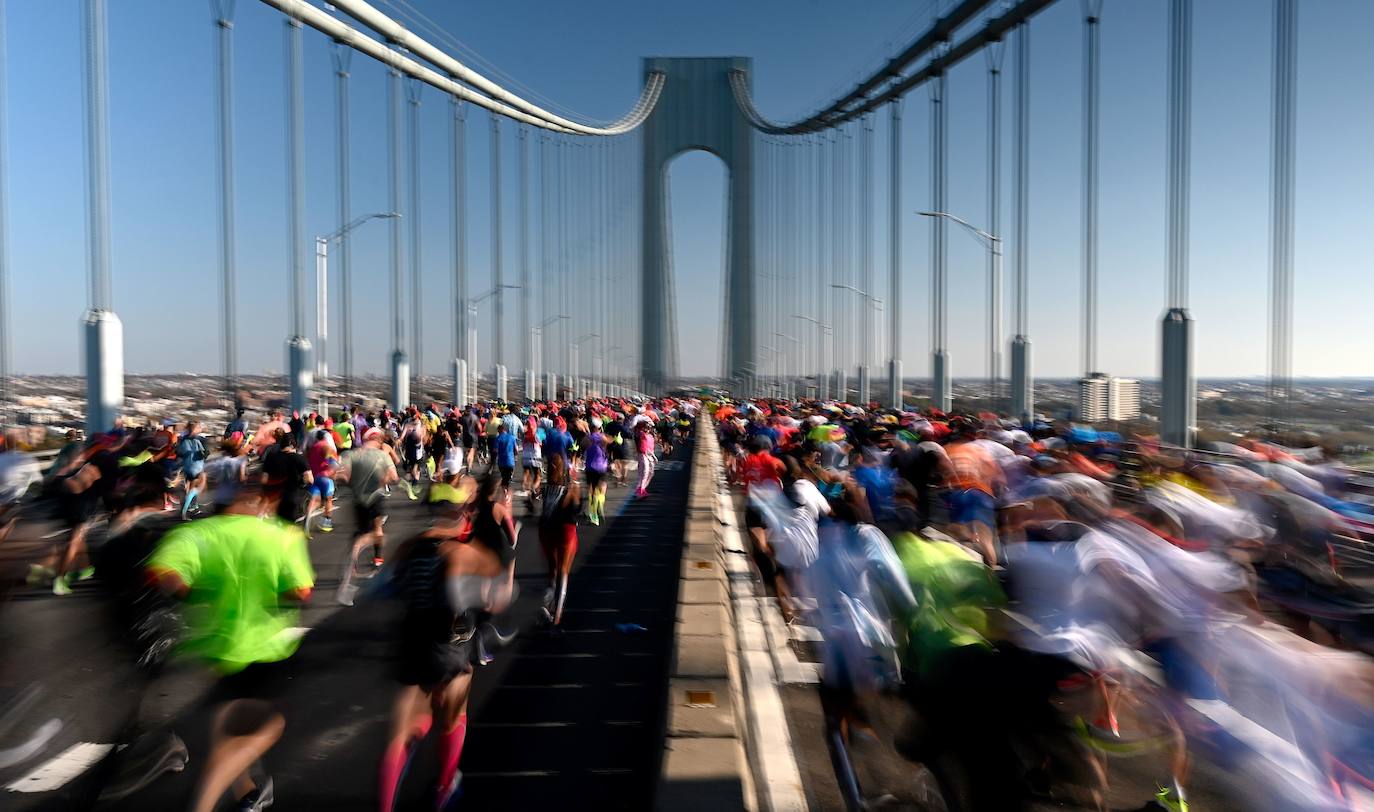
[{"x": 597, "y": 459}]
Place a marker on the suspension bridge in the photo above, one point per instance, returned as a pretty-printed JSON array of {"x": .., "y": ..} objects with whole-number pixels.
[{"x": 803, "y": 199}]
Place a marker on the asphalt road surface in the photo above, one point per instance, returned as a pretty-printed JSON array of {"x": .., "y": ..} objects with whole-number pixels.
[{"x": 572, "y": 720}]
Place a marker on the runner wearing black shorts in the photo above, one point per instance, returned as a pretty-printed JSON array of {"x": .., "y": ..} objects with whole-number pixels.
[
  {"x": 471, "y": 432},
  {"x": 448, "y": 581}
]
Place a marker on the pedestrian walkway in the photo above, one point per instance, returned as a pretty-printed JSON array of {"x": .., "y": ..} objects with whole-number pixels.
[{"x": 575, "y": 720}]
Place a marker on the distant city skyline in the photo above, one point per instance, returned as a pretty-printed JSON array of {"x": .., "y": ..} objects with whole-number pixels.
[{"x": 586, "y": 57}]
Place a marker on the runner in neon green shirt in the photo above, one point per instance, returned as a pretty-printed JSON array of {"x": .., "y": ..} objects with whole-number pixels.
[
  {"x": 235, "y": 567},
  {"x": 238, "y": 574},
  {"x": 343, "y": 430}
]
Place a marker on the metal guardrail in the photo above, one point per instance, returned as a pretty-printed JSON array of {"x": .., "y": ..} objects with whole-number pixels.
[{"x": 1349, "y": 553}]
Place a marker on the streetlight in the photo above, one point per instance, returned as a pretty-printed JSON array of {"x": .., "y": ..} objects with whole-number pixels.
[
  {"x": 994, "y": 244},
  {"x": 871, "y": 304},
  {"x": 823, "y": 343},
  {"x": 574, "y": 358},
  {"x": 790, "y": 374},
  {"x": 607, "y": 360},
  {"x": 537, "y": 344},
  {"x": 322, "y": 302},
  {"x": 471, "y": 353}
]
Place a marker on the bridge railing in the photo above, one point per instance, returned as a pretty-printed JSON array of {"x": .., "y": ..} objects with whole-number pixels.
[{"x": 1354, "y": 550}]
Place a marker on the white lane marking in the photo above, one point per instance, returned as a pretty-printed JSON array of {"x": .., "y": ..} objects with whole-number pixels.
[
  {"x": 768, "y": 740},
  {"x": 25, "y": 751},
  {"x": 790, "y": 670},
  {"x": 57, "y": 771}
]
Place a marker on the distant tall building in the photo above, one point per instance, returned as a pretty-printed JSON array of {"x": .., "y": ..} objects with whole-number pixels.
[
  {"x": 1123, "y": 399},
  {"x": 1092, "y": 398},
  {"x": 1102, "y": 398}
]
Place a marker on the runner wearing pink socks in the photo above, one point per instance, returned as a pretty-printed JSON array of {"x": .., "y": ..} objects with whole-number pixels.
[{"x": 446, "y": 580}]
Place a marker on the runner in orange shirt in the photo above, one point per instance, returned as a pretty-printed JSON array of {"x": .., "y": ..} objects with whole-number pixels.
[{"x": 973, "y": 478}]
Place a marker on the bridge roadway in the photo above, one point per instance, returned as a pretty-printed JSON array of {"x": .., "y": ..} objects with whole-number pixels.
[{"x": 567, "y": 721}]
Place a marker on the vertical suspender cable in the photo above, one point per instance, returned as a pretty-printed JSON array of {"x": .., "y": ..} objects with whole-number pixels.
[
  {"x": 597, "y": 215},
  {"x": 102, "y": 332},
  {"x": 458, "y": 210},
  {"x": 1022, "y": 387},
  {"x": 846, "y": 269},
  {"x": 795, "y": 263},
  {"x": 526, "y": 350},
  {"x": 5, "y": 331},
  {"x": 1178, "y": 391},
  {"x": 545, "y": 308},
  {"x": 866, "y": 352},
  {"x": 1092, "y": 11},
  {"x": 852, "y": 249},
  {"x": 836, "y": 313},
  {"x": 611, "y": 342},
  {"x": 779, "y": 247},
  {"x": 413, "y": 90},
  {"x": 894, "y": 253},
  {"x": 766, "y": 265},
  {"x": 393, "y": 195},
  {"x": 343, "y": 56},
  {"x": 295, "y": 172},
  {"x": 993, "y": 52},
  {"x": 939, "y": 356},
  {"x": 603, "y": 256},
  {"x": 498, "y": 280},
  {"x": 1021, "y": 193},
  {"x": 564, "y": 259},
  {"x": 788, "y": 280},
  {"x": 818, "y": 286},
  {"x": 781, "y": 270},
  {"x": 224, "y": 21},
  {"x": 298, "y": 346},
  {"x": 1281, "y": 211},
  {"x": 1180, "y": 132},
  {"x": 937, "y": 175}
]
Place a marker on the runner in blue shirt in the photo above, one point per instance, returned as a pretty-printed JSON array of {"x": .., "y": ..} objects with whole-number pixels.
[{"x": 505, "y": 455}]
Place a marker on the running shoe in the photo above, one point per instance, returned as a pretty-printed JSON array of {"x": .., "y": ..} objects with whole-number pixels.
[
  {"x": 39, "y": 574},
  {"x": 84, "y": 574},
  {"x": 410, "y": 492},
  {"x": 61, "y": 586},
  {"x": 1166, "y": 799},
  {"x": 145, "y": 760},
  {"x": 257, "y": 799},
  {"x": 594, "y": 519},
  {"x": 188, "y": 505},
  {"x": 377, "y": 562},
  {"x": 448, "y": 794},
  {"x": 326, "y": 525},
  {"x": 346, "y": 594},
  {"x": 546, "y": 606}
]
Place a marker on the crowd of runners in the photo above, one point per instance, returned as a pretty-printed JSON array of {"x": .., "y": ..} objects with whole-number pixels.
[
  {"x": 1042, "y": 600},
  {"x": 200, "y": 546}
]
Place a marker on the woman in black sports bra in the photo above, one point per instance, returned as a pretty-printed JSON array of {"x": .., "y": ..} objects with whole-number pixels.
[{"x": 449, "y": 578}]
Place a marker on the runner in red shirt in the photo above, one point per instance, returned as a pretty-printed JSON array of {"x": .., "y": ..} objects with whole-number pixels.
[{"x": 757, "y": 469}]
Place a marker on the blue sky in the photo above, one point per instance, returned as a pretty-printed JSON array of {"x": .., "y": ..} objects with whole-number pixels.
[{"x": 586, "y": 56}]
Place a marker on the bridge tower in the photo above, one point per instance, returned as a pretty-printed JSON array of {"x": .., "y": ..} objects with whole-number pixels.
[{"x": 697, "y": 110}]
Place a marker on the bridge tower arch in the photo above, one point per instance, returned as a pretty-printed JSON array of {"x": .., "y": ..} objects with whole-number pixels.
[{"x": 697, "y": 110}]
